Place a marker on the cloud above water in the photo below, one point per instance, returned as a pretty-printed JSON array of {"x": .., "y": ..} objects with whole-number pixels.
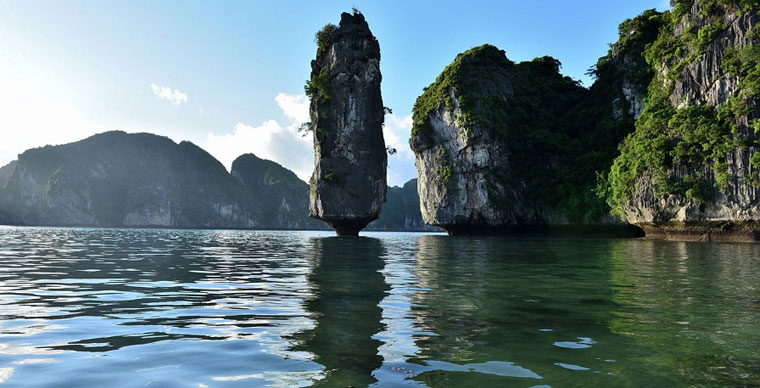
[
  {"x": 31, "y": 120},
  {"x": 396, "y": 132}
]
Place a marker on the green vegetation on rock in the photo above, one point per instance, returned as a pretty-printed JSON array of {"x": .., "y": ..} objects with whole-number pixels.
[
  {"x": 698, "y": 138},
  {"x": 324, "y": 38},
  {"x": 558, "y": 135},
  {"x": 676, "y": 51},
  {"x": 469, "y": 72},
  {"x": 318, "y": 87}
]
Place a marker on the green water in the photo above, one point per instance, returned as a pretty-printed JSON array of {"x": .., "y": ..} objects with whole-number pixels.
[{"x": 169, "y": 308}]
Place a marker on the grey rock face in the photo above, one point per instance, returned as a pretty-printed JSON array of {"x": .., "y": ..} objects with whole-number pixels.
[
  {"x": 634, "y": 98},
  {"x": 702, "y": 82},
  {"x": 731, "y": 213},
  {"x": 461, "y": 164},
  {"x": 348, "y": 185},
  {"x": 6, "y": 171},
  {"x": 456, "y": 166}
]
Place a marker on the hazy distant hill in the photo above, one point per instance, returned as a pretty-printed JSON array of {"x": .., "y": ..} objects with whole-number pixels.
[
  {"x": 144, "y": 180},
  {"x": 120, "y": 179},
  {"x": 282, "y": 196},
  {"x": 288, "y": 198},
  {"x": 6, "y": 171},
  {"x": 401, "y": 210}
]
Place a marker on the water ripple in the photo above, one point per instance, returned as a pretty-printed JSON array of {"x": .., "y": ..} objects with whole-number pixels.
[{"x": 164, "y": 308}]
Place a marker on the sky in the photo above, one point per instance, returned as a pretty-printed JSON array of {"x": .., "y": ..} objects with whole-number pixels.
[{"x": 229, "y": 75}]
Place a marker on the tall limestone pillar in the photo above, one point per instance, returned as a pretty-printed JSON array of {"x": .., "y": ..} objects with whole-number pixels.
[{"x": 348, "y": 185}]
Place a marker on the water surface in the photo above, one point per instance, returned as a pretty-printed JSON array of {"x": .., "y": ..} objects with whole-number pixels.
[{"x": 171, "y": 308}]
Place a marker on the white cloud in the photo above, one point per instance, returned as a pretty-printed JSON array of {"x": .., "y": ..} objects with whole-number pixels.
[
  {"x": 270, "y": 140},
  {"x": 29, "y": 120},
  {"x": 396, "y": 132},
  {"x": 295, "y": 107},
  {"x": 164, "y": 92}
]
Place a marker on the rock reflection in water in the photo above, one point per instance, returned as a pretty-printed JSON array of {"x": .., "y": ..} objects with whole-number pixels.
[
  {"x": 126, "y": 308},
  {"x": 347, "y": 286},
  {"x": 695, "y": 305},
  {"x": 525, "y": 308}
]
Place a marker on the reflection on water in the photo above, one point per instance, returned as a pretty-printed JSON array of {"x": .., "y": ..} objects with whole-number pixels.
[
  {"x": 346, "y": 288},
  {"x": 542, "y": 307},
  {"x": 163, "y": 308},
  {"x": 697, "y": 305}
]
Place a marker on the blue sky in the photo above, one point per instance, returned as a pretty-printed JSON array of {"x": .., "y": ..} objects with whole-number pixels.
[{"x": 229, "y": 75}]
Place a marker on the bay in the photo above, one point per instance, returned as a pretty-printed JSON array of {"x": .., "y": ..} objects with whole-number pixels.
[{"x": 192, "y": 308}]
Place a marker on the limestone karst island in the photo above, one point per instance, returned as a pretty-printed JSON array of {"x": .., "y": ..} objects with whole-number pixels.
[{"x": 528, "y": 194}]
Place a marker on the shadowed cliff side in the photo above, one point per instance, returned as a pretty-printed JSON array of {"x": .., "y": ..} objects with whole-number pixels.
[
  {"x": 120, "y": 179},
  {"x": 282, "y": 196},
  {"x": 143, "y": 180}
]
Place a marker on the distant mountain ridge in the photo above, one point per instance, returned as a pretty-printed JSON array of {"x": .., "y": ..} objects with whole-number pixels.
[
  {"x": 120, "y": 179},
  {"x": 401, "y": 210},
  {"x": 116, "y": 179},
  {"x": 285, "y": 195}
]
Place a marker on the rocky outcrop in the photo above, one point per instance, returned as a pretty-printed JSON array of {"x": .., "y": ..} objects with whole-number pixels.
[
  {"x": 700, "y": 112},
  {"x": 456, "y": 159},
  {"x": 503, "y": 147},
  {"x": 348, "y": 186},
  {"x": 701, "y": 79},
  {"x": 622, "y": 76},
  {"x": 284, "y": 199}
]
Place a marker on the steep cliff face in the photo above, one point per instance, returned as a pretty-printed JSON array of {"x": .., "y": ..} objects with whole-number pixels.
[
  {"x": 502, "y": 146},
  {"x": 348, "y": 186},
  {"x": 119, "y": 179},
  {"x": 457, "y": 155},
  {"x": 623, "y": 76},
  {"x": 282, "y": 198},
  {"x": 691, "y": 169}
]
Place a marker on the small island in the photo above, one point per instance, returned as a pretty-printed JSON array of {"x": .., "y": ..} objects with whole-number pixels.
[{"x": 665, "y": 139}]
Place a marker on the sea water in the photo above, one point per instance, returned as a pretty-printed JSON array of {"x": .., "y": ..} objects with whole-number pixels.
[{"x": 186, "y": 308}]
